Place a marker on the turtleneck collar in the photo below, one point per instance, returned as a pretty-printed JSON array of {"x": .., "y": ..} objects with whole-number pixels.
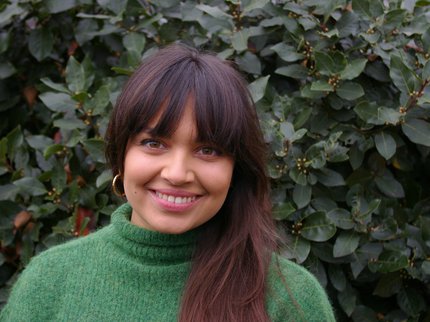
[{"x": 151, "y": 246}]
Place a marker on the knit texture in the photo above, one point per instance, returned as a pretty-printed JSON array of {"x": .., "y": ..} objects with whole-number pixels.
[{"x": 125, "y": 273}]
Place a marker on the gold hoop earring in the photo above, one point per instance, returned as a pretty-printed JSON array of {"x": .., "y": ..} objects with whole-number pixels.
[{"x": 114, "y": 188}]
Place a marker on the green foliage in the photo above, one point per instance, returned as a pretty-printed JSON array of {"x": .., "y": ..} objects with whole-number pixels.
[{"x": 342, "y": 92}]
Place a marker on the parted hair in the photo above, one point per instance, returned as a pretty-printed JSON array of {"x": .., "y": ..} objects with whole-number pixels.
[{"x": 228, "y": 278}]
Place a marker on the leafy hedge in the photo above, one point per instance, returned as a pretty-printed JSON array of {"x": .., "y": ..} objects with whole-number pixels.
[{"x": 343, "y": 97}]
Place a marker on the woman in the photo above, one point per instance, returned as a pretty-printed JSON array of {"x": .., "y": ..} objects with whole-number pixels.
[{"x": 195, "y": 240}]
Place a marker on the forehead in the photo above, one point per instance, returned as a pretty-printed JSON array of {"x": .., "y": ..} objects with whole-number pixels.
[{"x": 186, "y": 125}]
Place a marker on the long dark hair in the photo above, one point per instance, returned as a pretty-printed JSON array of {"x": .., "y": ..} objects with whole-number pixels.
[{"x": 227, "y": 281}]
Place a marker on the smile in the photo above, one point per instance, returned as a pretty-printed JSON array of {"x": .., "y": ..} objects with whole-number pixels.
[{"x": 175, "y": 200}]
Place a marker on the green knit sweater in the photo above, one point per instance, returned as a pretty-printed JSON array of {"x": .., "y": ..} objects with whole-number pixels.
[{"x": 125, "y": 273}]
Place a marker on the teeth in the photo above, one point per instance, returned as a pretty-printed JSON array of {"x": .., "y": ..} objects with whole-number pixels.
[{"x": 172, "y": 199}]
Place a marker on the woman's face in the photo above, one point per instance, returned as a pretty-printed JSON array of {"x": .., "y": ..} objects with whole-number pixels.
[{"x": 177, "y": 183}]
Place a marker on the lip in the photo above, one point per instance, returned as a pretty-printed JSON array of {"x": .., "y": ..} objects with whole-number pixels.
[{"x": 171, "y": 206}]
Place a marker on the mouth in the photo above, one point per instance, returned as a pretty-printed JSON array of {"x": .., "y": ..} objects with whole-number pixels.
[{"x": 175, "y": 199}]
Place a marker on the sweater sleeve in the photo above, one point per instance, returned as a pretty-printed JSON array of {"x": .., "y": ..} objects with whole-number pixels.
[
  {"x": 34, "y": 294},
  {"x": 294, "y": 294}
]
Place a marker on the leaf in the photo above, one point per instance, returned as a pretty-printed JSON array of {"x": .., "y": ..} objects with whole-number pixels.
[
  {"x": 6, "y": 70},
  {"x": 324, "y": 64},
  {"x": 404, "y": 78},
  {"x": 318, "y": 227},
  {"x": 347, "y": 299},
  {"x": 411, "y": 301},
  {"x": 353, "y": 69},
  {"x": 298, "y": 248},
  {"x": 283, "y": 211},
  {"x": 286, "y": 52},
  {"x": 418, "y": 131},
  {"x": 350, "y": 91},
  {"x": 388, "y": 285},
  {"x": 302, "y": 195},
  {"x": 322, "y": 86},
  {"x": 56, "y": 86},
  {"x": 55, "y": 6},
  {"x": 258, "y": 87},
  {"x": 40, "y": 43},
  {"x": 388, "y": 261},
  {"x": 39, "y": 142},
  {"x": 69, "y": 124},
  {"x": 30, "y": 185},
  {"x": 239, "y": 40},
  {"x": 215, "y": 12},
  {"x": 337, "y": 277},
  {"x": 426, "y": 71},
  {"x": 296, "y": 71},
  {"x": 363, "y": 313},
  {"x": 390, "y": 186},
  {"x": 75, "y": 75},
  {"x": 385, "y": 144},
  {"x": 134, "y": 41},
  {"x": 254, "y": 4},
  {"x": 346, "y": 243},
  {"x": 95, "y": 148},
  {"x": 341, "y": 218},
  {"x": 369, "y": 8},
  {"x": 104, "y": 178},
  {"x": 330, "y": 178},
  {"x": 249, "y": 63}
]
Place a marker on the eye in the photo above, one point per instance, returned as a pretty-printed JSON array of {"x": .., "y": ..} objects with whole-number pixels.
[
  {"x": 152, "y": 144},
  {"x": 209, "y": 151}
]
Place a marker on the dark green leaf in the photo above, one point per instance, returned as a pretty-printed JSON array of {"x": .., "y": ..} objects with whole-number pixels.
[
  {"x": 322, "y": 86},
  {"x": 418, "y": 131},
  {"x": 302, "y": 195},
  {"x": 39, "y": 142},
  {"x": 95, "y": 148},
  {"x": 345, "y": 244},
  {"x": 134, "y": 41},
  {"x": 30, "y": 186},
  {"x": 249, "y": 63},
  {"x": 325, "y": 64},
  {"x": 337, "y": 277},
  {"x": 294, "y": 71},
  {"x": 388, "y": 261},
  {"x": 390, "y": 186},
  {"x": 40, "y": 43},
  {"x": 353, "y": 69},
  {"x": 258, "y": 87},
  {"x": 69, "y": 124},
  {"x": 286, "y": 52},
  {"x": 330, "y": 178},
  {"x": 411, "y": 301},
  {"x": 283, "y": 211},
  {"x": 403, "y": 77},
  {"x": 341, "y": 218},
  {"x": 364, "y": 314},
  {"x": 58, "y": 102},
  {"x": 6, "y": 70},
  {"x": 385, "y": 144},
  {"x": 350, "y": 91},
  {"x": 347, "y": 299},
  {"x": 388, "y": 285},
  {"x": 297, "y": 248},
  {"x": 75, "y": 75},
  {"x": 318, "y": 227},
  {"x": 54, "y": 6}
]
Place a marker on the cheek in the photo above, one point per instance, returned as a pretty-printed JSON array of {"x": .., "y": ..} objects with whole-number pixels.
[{"x": 218, "y": 179}]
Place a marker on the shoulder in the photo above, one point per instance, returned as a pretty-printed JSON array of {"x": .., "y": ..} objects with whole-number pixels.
[
  {"x": 295, "y": 293},
  {"x": 41, "y": 282}
]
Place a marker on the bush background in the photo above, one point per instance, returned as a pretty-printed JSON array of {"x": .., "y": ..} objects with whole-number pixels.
[{"x": 342, "y": 92}]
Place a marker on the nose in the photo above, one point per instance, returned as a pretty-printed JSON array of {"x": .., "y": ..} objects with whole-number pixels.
[{"x": 177, "y": 169}]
